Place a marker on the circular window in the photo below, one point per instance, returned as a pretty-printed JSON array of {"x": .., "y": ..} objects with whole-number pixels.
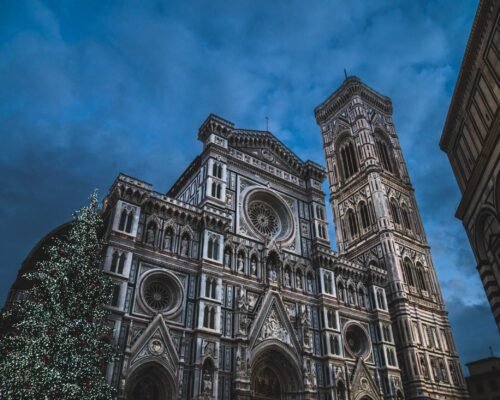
[
  {"x": 268, "y": 215},
  {"x": 263, "y": 218},
  {"x": 161, "y": 292},
  {"x": 356, "y": 340}
]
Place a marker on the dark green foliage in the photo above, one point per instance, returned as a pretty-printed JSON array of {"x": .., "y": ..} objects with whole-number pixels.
[{"x": 56, "y": 347}]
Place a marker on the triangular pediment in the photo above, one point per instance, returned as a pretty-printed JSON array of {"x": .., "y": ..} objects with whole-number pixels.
[
  {"x": 272, "y": 323},
  {"x": 363, "y": 383},
  {"x": 156, "y": 343},
  {"x": 265, "y": 147}
]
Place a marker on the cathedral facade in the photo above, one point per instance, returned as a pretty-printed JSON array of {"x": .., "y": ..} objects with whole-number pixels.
[{"x": 226, "y": 286}]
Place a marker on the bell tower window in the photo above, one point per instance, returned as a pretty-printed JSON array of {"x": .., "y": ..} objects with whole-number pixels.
[{"x": 348, "y": 159}]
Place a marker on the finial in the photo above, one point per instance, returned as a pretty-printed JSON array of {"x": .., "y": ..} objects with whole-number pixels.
[
  {"x": 345, "y": 73},
  {"x": 267, "y": 123}
]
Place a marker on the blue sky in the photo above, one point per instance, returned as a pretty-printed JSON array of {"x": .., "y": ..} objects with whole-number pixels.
[{"x": 91, "y": 88}]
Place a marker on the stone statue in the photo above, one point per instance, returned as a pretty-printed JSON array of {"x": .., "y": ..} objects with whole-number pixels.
[
  {"x": 298, "y": 281},
  {"x": 309, "y": 284},
  {"x": 150, "y": 235},
  {"x": 207, "y": 383},
  {"x": 241, "y": 265},
  {"x": 253, "y": 267},
  {"x": 287, "y": 278},
  {"x": 184, "y": 246},
  {"x": 227, "y": 259},
  {"x": 242, "y": 302},
  {"x": 167, "y": 241}
]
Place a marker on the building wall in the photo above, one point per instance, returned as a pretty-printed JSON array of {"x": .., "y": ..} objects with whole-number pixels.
[
  {"x": 472, "y": 142},
  {"x": 378, "y": 223}
]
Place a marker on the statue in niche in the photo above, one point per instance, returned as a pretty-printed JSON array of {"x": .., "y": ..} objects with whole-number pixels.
[
  {"x": 242, "y": 302},
  {"x": 185, "y": 245},
  {"x": 167, "y": 240},
  {"x": 309, "y": 283},
  {"x": 304, "y": 321},
  {"x": 271, "y": 271},
  {"x": 298, "y": 281},
  {"x": 207, "y": 382},
  {"x": 150, "y": 235},
  {"x": 227, "y": 259},
  {"x": 241, "y": 265},
  {"x": 253, "y": 267},
  {"x": 287, "y": 278},
  {"x": 305, "y": 374}
]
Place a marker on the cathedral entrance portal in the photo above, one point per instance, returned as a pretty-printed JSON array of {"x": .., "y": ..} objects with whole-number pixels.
[
  {"x": 274, "y": 376},
  {"x": 151, "y": 382}
]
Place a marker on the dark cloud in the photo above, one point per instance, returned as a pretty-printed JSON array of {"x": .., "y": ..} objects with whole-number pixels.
[{"x": 88, "y": 89}]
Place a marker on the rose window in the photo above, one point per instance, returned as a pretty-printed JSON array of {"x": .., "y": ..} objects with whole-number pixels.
[
  {"x": 268, "y": 215},
  {"x": 357, "y": 340},
  {"x": 157, "y": 295},
  {"x": 263, "y": 218},
  {"x": 161, "y": 292}
]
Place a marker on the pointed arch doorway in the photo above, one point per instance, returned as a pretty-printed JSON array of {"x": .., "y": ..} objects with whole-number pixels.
[
  {"x": 275, "y": 374},
  {"x": 150, "y": 382}
]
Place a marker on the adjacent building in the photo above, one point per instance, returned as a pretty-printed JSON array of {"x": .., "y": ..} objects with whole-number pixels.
[
  {"x": 471, "y": 139},
  {"x": 484, "y": 379},
  {"x": 226, "y": 286}
]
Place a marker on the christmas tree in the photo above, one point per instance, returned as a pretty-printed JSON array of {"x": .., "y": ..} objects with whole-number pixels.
[{"x": 57, "y": 345}]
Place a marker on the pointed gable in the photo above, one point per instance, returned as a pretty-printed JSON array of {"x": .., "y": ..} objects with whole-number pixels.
[
  {"x": 265, "y": 147},
  {"x": 362, "y": 382},
  {"x": 272, "y": 322},
  {"x": 156, "y": 343}
]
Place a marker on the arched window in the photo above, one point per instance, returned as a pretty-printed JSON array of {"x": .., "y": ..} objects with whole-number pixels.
[
  {"x": 217, "y": 170},
  {"x": 383, "y": 150},
  {"x": 407, "y": 267},
  {"x": 395, "y": 212},
  {"x": 206, "y": 316},
  {"x": 208, "y": 285},
  {"x": 114, "y": 261},
  {"x": 214, "y": 289},
  {"x": 219, "y": 193},
  {"x": 406, "y": 218},
  {"x": 336, "y": 345},
  {"x": 348, "y": 159},
  {"x": 123, "y": 220},
  {"x": 332, "y": 344},
  {"x": 210, "y": 249},
  {"x": 211, "y": 324},
  {"x": 365, "y": 218},
  {"x": 130, "y": 219},
  {"x": 330, "y": 315},
  {"x": 380, "y": 299},
  {"x": 420, "y": 277},
  {"x": 327, "y": 281},
  {"x": 121, "y": 263},
  {"x": 353, "y": 223}
]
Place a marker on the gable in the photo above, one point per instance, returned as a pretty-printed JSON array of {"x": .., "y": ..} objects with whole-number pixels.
[
  {"x": 155, "y": 343},
  {"x": 272, "y": 323}
]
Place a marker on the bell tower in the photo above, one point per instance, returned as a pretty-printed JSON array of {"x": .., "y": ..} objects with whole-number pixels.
[{"x": 378, "y": 224}]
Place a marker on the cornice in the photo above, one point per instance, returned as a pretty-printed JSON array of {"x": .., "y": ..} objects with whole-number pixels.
[
  {"x": 339, "y": 98},
  {"x": 466, "y": 75}
]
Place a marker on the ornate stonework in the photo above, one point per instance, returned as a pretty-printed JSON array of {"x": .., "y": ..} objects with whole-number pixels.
[{"x": 229, "y": 289}]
